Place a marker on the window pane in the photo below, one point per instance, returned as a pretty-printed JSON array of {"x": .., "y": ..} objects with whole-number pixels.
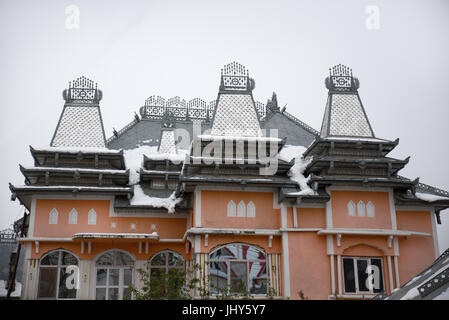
[
  {"x": 126, "y": 294},
  {"x": 124, "y": 259},
  {"x": 251, "y": 253},
  {"x": 238, "y": 277},
  {"x": 227, "y": 252},
  {"x": 127, "y": 277},
  {"x": 218, "y": 276},
  {"x": 380, "y": 283},
  {"x": 257, "y": 277},
  {"x": 361, "y": 272},
  {"x": 106, "y": 259},
  {"x": 100, "y": 294},
  {"x": 113, "y": 294},
  {"x": 159, "y": 259},
  {"x": 50, "y": 259},
  {"x": 47, "y": 282},
  {"x": 175, "y": 259},
  {"x": 101, "y": 277},
  {"x": 68, "y": 259},
  {"x": 67, "y": 288},
  {"x": 348, "y": 272},
  {"x": 113, "y": 277}
]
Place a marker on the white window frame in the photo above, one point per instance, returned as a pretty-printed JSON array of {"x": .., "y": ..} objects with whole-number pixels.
[
  {"x": 251, "y": 210},
  {"x": 370, "y": 210},
  {"x": 351, "y": 208},
  {"x": 361, "y": 209},
  {"x": 92, "y": 217},
  {"x": 53, "y": 216},
  {"x": 58, "y": 278},
  {"x": 356, "y": 274},
  {"x": 120, "y": 285},
  {"x": 232, "y": 209},
  {"x": 241, "y": 209},
  {"x": 73, "y": 216}
]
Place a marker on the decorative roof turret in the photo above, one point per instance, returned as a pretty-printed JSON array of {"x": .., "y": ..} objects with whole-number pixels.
[
  {"x": 80, "y": 124},
  {"x": 167, "y": 142},
  {"x": 236, "y": 113},
  {"x": 344, "y": 115}
]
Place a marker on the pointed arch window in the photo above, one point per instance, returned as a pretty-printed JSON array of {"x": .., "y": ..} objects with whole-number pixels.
[
  {"x": 241, "y": 209},
  {"x": 351, "y": 208},
  {"x": 251, "y": 210},
  {"x": 361, "y": 209},
  {"x": 232, "y": 210},
  {"x": 370, "y": 209},
  {"x": 73, "y": 216},
  {"x": 53, "y": 218},
  {"x": 92, "y": 217}
]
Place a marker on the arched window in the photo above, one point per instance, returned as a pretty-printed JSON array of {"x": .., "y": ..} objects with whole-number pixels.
[
  {"x": 238, "y": 268},
  {"x": 251, "y": 210},
  {"x": 241, "y": 209},
  {"x": 92, "y": 217},
  {"x": 361, "y": 208},
  {"x": 114, "y": 274},
  {"x": 53, "y": 218},
  {"x": 58, "y": 275},
  {"x": 370, "y": 209},
  {"x": 164, "y": 261},
  {"x": 231, "y": 209},
  {"x": 73, "y": 216},
  {"x": 351, "y": 208}
]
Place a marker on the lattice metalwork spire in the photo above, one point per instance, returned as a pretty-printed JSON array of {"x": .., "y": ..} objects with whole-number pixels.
[
  {"x": 82, "y": 91},
  {"x": 236, "y": 113},
  {"x": 344, "y": 115},
  {"x": 80, "y": 124},
  {"x": 235, "y": 76}
]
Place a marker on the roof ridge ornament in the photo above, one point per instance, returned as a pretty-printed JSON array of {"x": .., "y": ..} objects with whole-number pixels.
[
  {"x": 341, "y": 79},
  {"x": 82, "y": 91},
  {"x": 168, "y": 120},
  {"x": 235, "y": 77}
]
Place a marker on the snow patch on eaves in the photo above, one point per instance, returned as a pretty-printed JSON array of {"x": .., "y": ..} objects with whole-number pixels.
[
  {"x": 296, "y": 173},
  {"x": 141, "y": 199}
]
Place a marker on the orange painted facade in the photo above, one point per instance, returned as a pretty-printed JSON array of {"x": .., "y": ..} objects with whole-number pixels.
[{"x": 312, "y": 257}]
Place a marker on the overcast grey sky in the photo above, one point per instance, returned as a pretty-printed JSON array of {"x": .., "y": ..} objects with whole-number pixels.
[{"x": 135, "y": 49}]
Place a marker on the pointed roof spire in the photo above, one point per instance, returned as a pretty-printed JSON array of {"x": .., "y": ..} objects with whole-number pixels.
[
  {"x": 167, "y": 143},
  {"x": 344, "y": 115},
  {"x": 80, "y": 124},
  {"x": 236, "y": 114}
]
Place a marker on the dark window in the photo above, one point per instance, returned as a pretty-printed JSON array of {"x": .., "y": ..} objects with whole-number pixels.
[{"x": 362, "y": 275}]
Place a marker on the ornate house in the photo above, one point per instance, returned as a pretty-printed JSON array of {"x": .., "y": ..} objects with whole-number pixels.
[{"x": 251, "y": 194}]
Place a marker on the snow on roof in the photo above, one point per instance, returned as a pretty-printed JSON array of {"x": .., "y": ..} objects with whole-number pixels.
[
  {"x": 208, "y": 137},
  {"x": 84, "y": 235},
  {"x": 429, "y": 197},
  {"x": 134, "y": 160},
  {"x": 290, "y": 152},
  {"x": 141, "y": 199},
  {"x": 77, "y": 150},
  {"x": 103, "y": 171},
  {"x": 79, "y": 188},
  {"x": 296, "y": 174}
]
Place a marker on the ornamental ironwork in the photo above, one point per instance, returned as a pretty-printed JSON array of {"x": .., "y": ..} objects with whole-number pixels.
[
  {"x": 341, "y": 79},
  {"x": 235, "y": 76},
  {"x": 83, "y": 91}
]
